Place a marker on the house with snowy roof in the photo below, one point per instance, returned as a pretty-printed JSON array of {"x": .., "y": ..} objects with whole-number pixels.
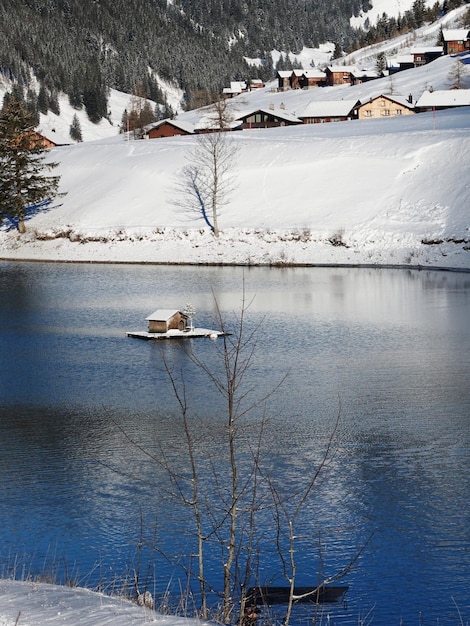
[
  {"x": 236, "y": 88},
  {"x": 385, "y": 105},
  {"x": 330, "y": 111},
  {"x": 163, "y": 320},
  {"x": 167, "y": 128},
  {"x": 443, "y": 99},
  {"x": 338, "y": 74},
  {"x": 456, "y": 40},
  {"x": 267, "y": 118}
]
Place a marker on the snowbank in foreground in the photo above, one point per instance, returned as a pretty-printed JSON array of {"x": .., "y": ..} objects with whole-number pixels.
[{"x": 36, "y": 604}]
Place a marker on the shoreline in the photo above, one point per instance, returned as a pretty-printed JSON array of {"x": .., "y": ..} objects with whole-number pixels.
[{"x": 287, "y": 265}]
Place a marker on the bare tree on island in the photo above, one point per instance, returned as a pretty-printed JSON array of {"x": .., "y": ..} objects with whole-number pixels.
[{"x": 205, "y": 184}]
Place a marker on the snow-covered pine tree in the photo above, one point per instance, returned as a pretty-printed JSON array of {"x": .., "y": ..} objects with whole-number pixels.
[{"x": 23, "y": 182}]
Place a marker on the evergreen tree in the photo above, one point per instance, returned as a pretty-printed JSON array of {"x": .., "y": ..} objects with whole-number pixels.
[
  {"x": 23, "y": 183},
  {"x": 75, "y": 129}
]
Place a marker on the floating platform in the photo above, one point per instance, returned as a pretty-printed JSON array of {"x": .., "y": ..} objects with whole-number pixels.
[{"x": 178, "y": 334}]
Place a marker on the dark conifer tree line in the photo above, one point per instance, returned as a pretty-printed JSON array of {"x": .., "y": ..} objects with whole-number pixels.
[{"x": 85, "y": 47}]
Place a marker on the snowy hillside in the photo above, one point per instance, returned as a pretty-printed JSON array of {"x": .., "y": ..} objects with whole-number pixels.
[{"x": 388, "y": 191}]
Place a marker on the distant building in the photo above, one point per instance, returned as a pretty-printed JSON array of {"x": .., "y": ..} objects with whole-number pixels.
[
  {"x": 330, "y": 111},
  {"x": 167, "y": 128},
  {"x": 456, "y": 40},
  {"x": 267, "y": 118},
  {"x": 445, "y": 99},
  {"x": 385, "y": 105},
  {"x": 163, "y": 320},
  {"x": 339, "y": 74}
]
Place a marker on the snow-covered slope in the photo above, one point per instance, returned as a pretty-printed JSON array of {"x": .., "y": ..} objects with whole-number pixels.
[{"x": 391, "y": 191}]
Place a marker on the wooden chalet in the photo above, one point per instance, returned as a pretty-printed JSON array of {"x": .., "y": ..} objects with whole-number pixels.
[
  {"x": 445, "y": 99},
  {"x": 358, "y": 76},
  {"x": 456, "y": 40},
  {"x": 236, "y": 88},
  {"x": 48, "y": 139},
  {"x": 255, "y": 83},
  {"x": 400, "y": 63},
  {"x": 385, "y": 105},
  {"x": 312, "y": 78},
  {"x": 330, "y": 111},
  {"x": 423, "y": 56},
  {"x": 338, "y": 74},
  {"x": 163, "y": 320},
  {"x": 267, "y": 118},
  {"x": 284, "y": 80},
  {"x": 300, "y": 79},
  {"x": 167, "y": 128}
]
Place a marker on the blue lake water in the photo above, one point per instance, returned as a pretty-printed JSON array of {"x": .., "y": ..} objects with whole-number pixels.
[{"x": 387, "y": 351}]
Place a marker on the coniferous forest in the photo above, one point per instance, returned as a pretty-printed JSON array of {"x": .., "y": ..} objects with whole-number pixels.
[{"x": 85, "y": 47}]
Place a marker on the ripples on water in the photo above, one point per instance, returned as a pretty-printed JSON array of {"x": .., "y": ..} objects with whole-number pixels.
[{"x": 388, "y": 351}]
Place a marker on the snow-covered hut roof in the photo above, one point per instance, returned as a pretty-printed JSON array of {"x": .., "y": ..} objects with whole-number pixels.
[
  {"x": 187, "y": 127},
  {"x": 54, "y": 137},
  {"x": 345, "y": 69},
  {"x": 162, "y": 315},
  {"x": 280, "y": 113},
  {"x": 445, "y": 98},
  {"x": 329, "y": 108},
  {"x": 455, "y": 34},
  {"x": 314, "y": 73}
]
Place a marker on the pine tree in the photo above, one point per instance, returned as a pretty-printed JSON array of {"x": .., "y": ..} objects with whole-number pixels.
[
  {"x": 23, "y": 183},
  {"x": 75, "y": 129}
]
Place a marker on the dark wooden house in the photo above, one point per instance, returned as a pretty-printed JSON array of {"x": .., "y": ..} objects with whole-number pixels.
[
  {"x": 338, "y": 74},
  {"x": 163, "y": 320},
  {"x": 167, "y": 128},
  {"x": 456, "y": 40},
  {"x": 267, "y": 118}
]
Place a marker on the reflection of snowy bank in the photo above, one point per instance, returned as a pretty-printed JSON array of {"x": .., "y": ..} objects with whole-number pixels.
[{"x": 36, "y": 604}]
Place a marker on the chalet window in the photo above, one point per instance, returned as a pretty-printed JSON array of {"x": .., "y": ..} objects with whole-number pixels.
[
  {"x": 398, "y": 112},
  {"x": 382, "y": 103},
  {"x": 387, "y": 112},
  {"x": 368, "y": 113}
]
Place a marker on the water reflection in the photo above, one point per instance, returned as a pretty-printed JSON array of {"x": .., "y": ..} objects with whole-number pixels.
[{"x": 388, "y": 350}]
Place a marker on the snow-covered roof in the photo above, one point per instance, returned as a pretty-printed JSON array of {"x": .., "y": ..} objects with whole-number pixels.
[
  {"x": 362, "y": 73},
  {"x": 280, "y": 113},
  {"x": 314, "y": 73},
  {"x": 52, "y": 135},
  {"x": 184, "y": 126},
  {"x": 445, "y": 98},
  {"x": 402, "y": 100},
  {"x": 333, "y": 108},
  {"x": 345, "y": 69},
  {"x": 284, "y": 73},
  {"x": 162, "y": 315},
  {"x": 427, "y": 49},
  {"x": 403, "y": 58},
  {"x": 455, "y": 34}
]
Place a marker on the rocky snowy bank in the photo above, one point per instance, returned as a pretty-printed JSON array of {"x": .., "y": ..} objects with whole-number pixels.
[{"x": 238, "y": 247}]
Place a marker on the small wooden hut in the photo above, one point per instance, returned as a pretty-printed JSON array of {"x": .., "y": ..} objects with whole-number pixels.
[{"x": 163, "y": 320}]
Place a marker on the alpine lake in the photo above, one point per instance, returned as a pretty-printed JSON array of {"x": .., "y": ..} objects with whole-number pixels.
[{"x": 374, "y": 363}]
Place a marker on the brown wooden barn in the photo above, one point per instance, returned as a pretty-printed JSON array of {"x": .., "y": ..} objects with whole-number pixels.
[
  {"x": 338, "y": 74},
  {"x": 168, "y": 128},
  {"x": 456, "y": 40},
  {"x": 163, "y": 320}
]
